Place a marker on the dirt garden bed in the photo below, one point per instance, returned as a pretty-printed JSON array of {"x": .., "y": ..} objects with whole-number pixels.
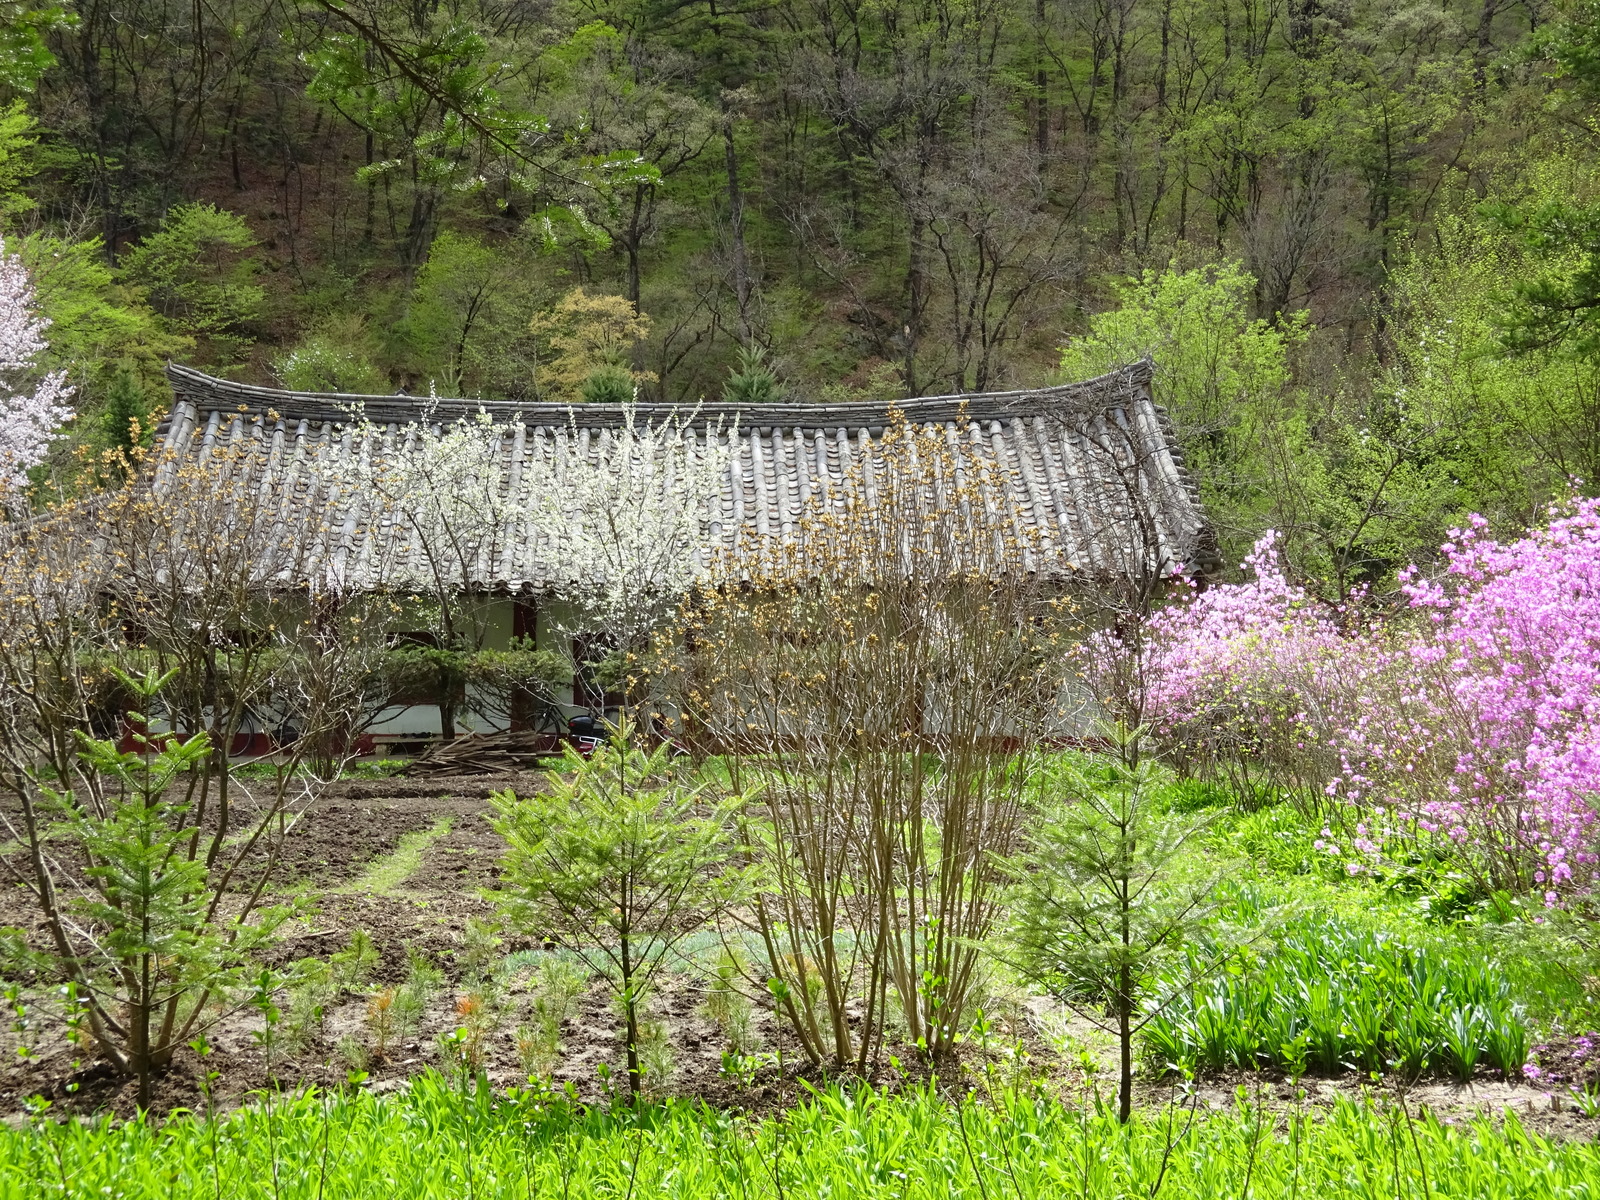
[{"x": 407, "y": 862}]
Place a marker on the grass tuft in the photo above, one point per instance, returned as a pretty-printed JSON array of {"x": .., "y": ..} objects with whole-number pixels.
[{"x": 386, "y": 873}]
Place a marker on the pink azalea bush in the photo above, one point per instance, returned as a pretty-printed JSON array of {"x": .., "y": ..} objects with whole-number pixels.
[
  {"x": 1250, "y": 674},
  {"x": 1472, "y": 719}
]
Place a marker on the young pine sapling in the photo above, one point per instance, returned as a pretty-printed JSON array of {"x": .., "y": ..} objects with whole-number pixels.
[
  {"x": 165, "y": 947},
  {"x": 623, "y": 857},
  {"x": 1107, "y": 895},
  {"x": 556, "y": 985}
]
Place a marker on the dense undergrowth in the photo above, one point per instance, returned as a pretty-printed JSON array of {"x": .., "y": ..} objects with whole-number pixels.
[
  {"x": 1409, "y": 971},
  {"x": 1330, "y": 996},
  {"x": 436, "y": 1141}
]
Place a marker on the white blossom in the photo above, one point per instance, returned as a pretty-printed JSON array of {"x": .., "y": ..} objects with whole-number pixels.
[
  {"x": 629, "y": 518},
  {"x": 617, "y": 521},
  {"x": 32, "y": 408}
]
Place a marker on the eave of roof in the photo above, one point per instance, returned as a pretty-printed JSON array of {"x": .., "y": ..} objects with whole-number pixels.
[{"x": 206, "y": 392}]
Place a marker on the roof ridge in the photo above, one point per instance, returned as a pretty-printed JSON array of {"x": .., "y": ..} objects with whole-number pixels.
[{"x": 1104, "y": 391}]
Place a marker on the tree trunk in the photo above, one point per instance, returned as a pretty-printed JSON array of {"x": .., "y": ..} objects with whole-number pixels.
[
  {"x": 630, "y": 1018},
  {"x": 741, "y": 260},
  {"x": 447, "y": 705},
  {"x": 1125, "y": 1040},
  {"x": 631, "y": 244}
]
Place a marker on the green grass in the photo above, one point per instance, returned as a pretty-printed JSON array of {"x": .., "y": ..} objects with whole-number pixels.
[
  {"x": 375, "y": 768},
  {"x": 435, "y": 1142},
  {"x": 386, "y": 873},
  {"x": 1325, "y": 994}
]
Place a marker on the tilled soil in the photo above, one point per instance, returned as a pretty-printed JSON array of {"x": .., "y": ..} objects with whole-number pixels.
[
  {"x": 359, "y": 824},
  {"x": 352, "y": 827}
]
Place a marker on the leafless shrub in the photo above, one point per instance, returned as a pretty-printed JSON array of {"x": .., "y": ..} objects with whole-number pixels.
[
  {"x": 145, "y": 850},
  {"x": 886, "y": 675}
]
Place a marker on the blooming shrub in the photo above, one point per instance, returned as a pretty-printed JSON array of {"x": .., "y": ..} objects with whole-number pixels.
[
  {"x": 32, "y": 402},
  {"x": 1511, "y": 643},
  {"x": 1246, "y": 676},
  {"x": 1471, "y": 720}
]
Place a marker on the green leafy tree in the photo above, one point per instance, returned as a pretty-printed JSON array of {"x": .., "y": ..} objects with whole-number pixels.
[
  {"x": 1219, "y": 372},
  {"x": 18, "y": 147},
  {"x": 24, "y": 55},
  {"x": 1107, "y": 894},
  {"x": 1514, "y": 423},
  {"x": 1559, "y": 307},
  {"x": 1573, "y": 44},
  {"x": 199, "y": 275},
  {"x": 1360, "y": 479},
  {"x": 99, "y": 325},
  {"x": 466, "y": 325},
  {"x": 336, "y": 358},
  {"x": 623, "y": 856},
  {"x": 627, "y": 110},
  {"x": 1214, "y": 363}
]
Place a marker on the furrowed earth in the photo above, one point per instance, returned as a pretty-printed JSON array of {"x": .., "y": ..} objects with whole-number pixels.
[{"x": 409, "y": 863}]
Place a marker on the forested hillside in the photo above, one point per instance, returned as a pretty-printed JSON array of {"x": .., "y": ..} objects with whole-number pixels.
[{"x": 1360, "y": 238}]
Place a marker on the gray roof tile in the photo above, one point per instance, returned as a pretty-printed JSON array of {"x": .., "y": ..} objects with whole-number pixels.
[{"x": 1089, "y": 471}]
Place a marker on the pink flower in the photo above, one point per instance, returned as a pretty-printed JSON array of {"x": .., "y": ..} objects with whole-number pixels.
[{"x": 1481, "y": 722}]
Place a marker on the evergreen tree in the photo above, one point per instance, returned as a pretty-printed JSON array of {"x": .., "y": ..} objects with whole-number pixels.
[
  {"x": 753, "y": 382},
  {"x": 125, "y": 421}
]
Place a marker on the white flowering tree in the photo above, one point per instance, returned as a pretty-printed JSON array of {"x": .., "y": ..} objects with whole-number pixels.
[
  {"x": 32, "y": 406},
  {"x": 442, "y": 483},
  {"x": 628, "y": 521},
  {"x": 437, "y": 485},
  {"x": 617, "y": 521}
]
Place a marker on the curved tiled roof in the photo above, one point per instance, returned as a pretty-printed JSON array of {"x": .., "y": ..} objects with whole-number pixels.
[{"x": 1091, "y": 468}]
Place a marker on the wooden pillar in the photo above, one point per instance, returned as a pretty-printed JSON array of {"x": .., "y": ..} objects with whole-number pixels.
[{"x": 524, "y": 624}]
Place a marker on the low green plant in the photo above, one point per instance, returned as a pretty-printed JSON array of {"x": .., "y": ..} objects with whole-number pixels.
[
  {"x": 310, "y": 991},
  {"x": 375, "y": 768},
  {"x": 1108, "y": 894},
  {"x": 1586, "y": 1099},
  {"x": 411, "y": 998},
  {"x": 353, "y": 1053},
  {"x": 381, "y": 1021},
  {"x": 436, "y": 1139},
  {"x": 1278, "y": 839},
  {"x": 536, "y": 1050},
  {"x": 556, "y": 984},
  {"x": 657, "y": 1057},
  {"x": 623, "y": 856},
  {"x": 1343, "y": 997},
  {"x": 352, "y": 966},
  {"x": 462, "y": 1048},
  {"x": 729, "y": 1008},
  {"x": 480, "y": 948}
]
